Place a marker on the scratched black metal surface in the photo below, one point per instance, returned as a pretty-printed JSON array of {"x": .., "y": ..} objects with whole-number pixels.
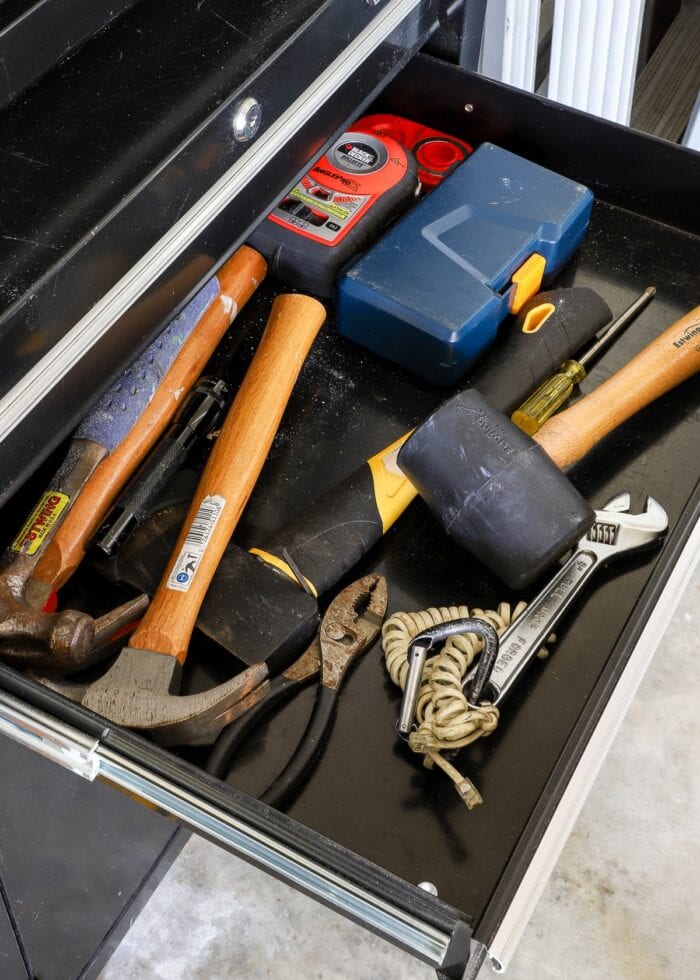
[
  {"x": 76, "y": 145},
  {"x": 105, "y": 153},
  {"x": 14, "y": 967}
]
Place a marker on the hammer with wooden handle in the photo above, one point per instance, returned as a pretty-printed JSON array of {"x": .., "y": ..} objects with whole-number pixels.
[
  {"x": 106, "y": 449},
  {"x": 212, "y": 312},
  {"x": 140, "y": 688},
  {"x": 502, "y": 495},
  {"x": 326, "y": 539}
]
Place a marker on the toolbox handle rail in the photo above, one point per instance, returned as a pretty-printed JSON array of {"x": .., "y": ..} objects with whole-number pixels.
[{"x": 446, "y": 947}]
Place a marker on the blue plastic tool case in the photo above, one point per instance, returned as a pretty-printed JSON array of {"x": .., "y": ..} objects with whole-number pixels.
[{"x": 432, "y": 292}]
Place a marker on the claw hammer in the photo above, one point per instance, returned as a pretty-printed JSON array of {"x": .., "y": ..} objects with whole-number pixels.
[
  {"x": 106, "y": 449},
  {"x": 140, "y": 688}
]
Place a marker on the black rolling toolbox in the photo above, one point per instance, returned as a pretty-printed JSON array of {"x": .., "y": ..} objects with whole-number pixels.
[{"x": 354, "y": 836}]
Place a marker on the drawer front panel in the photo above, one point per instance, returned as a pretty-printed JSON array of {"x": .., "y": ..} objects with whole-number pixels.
[{"x": 75, "y": 855}]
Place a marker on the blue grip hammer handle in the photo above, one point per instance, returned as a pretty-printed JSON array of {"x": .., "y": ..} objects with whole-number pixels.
[
  {"x": 121, "y": 406},
  {"x": 99, "y": 434},
  {"x": 128, "y": 418}
]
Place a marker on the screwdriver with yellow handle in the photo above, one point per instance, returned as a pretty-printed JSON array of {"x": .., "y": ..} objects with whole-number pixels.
[{"x": 557, "y": 390}]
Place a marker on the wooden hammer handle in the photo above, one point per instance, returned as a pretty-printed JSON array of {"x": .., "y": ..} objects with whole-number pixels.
[
  {"x": 238, "y": 278},
  {"x": 230, "y": 475},
  {"x": 664, "y": 363}
]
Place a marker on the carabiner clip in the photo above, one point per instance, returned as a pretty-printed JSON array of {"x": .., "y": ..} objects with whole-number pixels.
[{"x": 417, "y": 655}]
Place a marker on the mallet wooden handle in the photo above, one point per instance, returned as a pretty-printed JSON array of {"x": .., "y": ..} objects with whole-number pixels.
[
  {"x": 664, "y": 363},
  {"x": 238, "y": 278},
  {"x": 230, "y": 475}
]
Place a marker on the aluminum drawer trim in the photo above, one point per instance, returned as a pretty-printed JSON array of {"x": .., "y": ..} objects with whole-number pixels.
[
  {"x": 528, "y": 893},
  {"x": 86, "y": 757},
  {"x": 397, "y": 926},
  {"x": 49, "y": 371},
  {"x": 49, "y": 737}
]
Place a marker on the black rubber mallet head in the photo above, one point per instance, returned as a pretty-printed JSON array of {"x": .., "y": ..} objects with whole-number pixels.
[
  {"x": 502, "y": 495},
  {"x": 494, "y": 490}
]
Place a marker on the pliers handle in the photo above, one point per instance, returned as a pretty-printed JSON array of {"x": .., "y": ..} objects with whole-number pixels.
[
  {"x": 350, "y": 626},
  {"x": 281, "y": 688}
]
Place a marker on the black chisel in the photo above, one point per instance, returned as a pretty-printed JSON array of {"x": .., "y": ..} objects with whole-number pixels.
[{"x": 198, "y": 416}]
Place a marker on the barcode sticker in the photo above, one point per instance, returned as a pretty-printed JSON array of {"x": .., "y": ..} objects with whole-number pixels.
[{"x": 192, "y": 551}]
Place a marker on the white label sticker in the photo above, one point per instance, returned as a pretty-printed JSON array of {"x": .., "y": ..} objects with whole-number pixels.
[{"x": 192, "y": 551}]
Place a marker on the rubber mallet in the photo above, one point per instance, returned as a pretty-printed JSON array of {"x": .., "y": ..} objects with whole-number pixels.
[{"x": 501, "y": 494}]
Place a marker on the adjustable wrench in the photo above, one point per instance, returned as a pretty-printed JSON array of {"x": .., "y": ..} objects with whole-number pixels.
[{"x": 615, "y": 532}]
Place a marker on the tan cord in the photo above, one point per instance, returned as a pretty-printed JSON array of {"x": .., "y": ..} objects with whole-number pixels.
[{"x": 445, "y": 721}]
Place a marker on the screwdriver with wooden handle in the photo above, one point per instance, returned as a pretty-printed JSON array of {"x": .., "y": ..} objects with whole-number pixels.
[
  {"x": 555, "y": 391},
  {"x": 501, "y": 495}
]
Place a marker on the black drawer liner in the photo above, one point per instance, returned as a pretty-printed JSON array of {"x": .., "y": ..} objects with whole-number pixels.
[{"x": 368, "y": 793}]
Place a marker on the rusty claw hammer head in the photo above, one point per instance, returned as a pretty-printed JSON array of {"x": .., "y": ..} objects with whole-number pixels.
[
  {"x": 65, "y": 641},
  {"x": 140, "y": 690},
  {"x": 30, "y": 638}
]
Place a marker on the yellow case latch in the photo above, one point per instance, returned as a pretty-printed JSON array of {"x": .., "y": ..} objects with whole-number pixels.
[{"x": 527, "y": 280}]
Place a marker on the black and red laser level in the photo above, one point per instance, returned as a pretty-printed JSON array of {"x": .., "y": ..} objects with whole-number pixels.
[{"x": 337, "y": 209}]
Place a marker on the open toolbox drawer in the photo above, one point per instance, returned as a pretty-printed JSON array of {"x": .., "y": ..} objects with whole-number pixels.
[{"x": 371, "y": 823}]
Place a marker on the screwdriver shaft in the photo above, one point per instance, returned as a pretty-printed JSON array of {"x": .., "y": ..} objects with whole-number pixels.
[
  {"x": 617, "y": 326},
  {"x": 555, "y": 391}
]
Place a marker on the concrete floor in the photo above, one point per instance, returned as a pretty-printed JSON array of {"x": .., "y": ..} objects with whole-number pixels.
[{"x": 621, "y": 904}]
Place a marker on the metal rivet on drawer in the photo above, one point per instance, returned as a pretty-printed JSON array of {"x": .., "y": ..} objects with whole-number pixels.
[
  {"x": 247, "y": 117},
  {"x": 428, "y": 886}
]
